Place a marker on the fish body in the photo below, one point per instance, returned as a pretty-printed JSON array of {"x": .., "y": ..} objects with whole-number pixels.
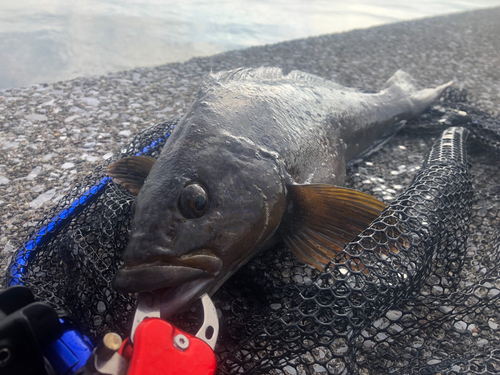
[{"x": 259, "y": 158}]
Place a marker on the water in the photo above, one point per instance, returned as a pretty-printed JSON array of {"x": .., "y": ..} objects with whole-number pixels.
[{"x": 52, "y": 40}]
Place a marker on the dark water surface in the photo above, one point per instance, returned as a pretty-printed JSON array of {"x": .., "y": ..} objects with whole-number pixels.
[{"x": 51, "y": 40}]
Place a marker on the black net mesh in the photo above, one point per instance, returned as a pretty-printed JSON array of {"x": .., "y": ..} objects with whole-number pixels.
[{"x": 416, "y": 292}]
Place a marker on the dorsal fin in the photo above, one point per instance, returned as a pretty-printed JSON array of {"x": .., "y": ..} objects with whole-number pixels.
[
  {"x": 306, "y": 77},
  {"x": 272, "y": 74},
  {"x": 248, "y": 74}
]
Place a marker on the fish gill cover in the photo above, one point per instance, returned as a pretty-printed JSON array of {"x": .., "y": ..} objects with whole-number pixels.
[{"x": 417, "y": 292}]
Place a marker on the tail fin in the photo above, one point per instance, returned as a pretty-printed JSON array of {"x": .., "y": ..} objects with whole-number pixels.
[{"x": 401, "y": 83}]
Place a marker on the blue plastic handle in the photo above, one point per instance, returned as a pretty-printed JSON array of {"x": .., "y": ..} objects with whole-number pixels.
[{"x": 70, "y": 352}]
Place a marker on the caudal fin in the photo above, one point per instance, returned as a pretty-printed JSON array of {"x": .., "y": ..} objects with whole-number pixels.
[{"x": 402, "y": 84}]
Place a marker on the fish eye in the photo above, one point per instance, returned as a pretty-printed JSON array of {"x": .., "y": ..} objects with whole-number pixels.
[{"x": 193, "y": 201}]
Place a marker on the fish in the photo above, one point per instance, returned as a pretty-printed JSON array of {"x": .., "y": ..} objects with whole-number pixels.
[{"x": 258, "y": 159}]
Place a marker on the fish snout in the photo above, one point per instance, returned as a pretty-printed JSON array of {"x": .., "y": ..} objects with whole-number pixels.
[
  {"x": 162, "y": 248},
  {"x": 159, "y": 233},
  {"x": 145, "y": 246}
]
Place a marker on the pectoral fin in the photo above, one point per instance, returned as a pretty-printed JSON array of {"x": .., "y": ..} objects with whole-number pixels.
[
  {"x": 321, "y": 219},
  {"x": 131, "y": 172}
]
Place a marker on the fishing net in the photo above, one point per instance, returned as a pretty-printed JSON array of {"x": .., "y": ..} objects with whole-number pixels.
[{"x": 417, "y": 292}]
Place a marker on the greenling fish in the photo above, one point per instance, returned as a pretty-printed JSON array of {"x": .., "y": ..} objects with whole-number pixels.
[{"x": 259, "y": 158}]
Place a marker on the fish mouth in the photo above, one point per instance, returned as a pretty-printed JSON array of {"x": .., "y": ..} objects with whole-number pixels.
[{"x": 171, "y": 273}]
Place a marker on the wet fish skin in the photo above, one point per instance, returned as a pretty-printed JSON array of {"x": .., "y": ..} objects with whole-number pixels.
[{"x": 250, "y": 138}]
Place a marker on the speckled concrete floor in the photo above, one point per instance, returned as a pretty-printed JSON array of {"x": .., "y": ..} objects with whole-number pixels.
[{"x": 53, "y": 134}]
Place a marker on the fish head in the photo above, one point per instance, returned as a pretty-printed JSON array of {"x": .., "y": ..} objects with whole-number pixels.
[{"x": 209, "y": 204}]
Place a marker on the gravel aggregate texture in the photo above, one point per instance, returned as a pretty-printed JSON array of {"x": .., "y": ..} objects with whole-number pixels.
[{"x": 51, "y": 135}]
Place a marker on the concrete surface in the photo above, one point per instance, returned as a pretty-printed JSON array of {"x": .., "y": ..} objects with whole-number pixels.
[{"x": 53, "y": 134}]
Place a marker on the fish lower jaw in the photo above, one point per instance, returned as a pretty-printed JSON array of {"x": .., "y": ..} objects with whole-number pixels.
[
  {"x": 206, "y": 261},
  {"x": 153, "y": 277}
]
